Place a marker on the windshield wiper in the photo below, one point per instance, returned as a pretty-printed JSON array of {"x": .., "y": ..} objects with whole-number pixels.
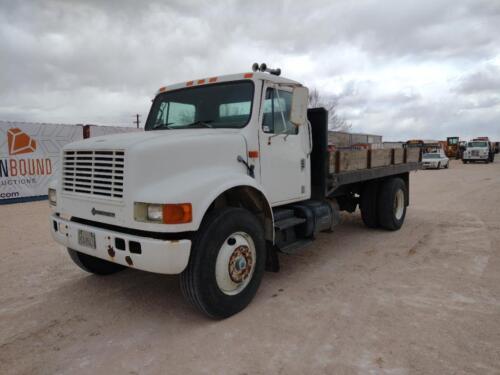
[
  {"x": 160, "y": 125},
  {"x": 200, "y": 123}
]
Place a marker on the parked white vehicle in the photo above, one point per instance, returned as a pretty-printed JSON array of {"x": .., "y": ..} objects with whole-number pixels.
[
  {"x": 230, "y": 171},
  {"x": 477, "y": 150},
  {"x": 436, "y": 160}
]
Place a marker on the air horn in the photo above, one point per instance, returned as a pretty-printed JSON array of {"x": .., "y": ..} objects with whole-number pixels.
[{"x": 263, "y": 68}]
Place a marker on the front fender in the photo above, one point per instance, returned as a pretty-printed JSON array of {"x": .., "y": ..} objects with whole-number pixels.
[{"x": 199, "y": 187}]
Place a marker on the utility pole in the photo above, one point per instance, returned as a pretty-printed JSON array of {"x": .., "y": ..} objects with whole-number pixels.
[{"x": 137, "y": 120}]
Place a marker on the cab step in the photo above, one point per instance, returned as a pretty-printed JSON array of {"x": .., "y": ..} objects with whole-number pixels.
[{"x": 288, "y": 222}]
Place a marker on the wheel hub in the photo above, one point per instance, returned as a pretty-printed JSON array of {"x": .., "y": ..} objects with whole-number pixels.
[
  {"x": 399, "y": 204},
  {"x": 240, "y": 264},
  {"x": 235, "y": 263}
]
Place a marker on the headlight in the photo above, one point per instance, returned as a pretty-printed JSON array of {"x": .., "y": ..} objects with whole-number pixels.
[
  {"x": 155, "y": 212},
  {"x": 52, "y": 197},
  {"x": 180, "y": 213}
]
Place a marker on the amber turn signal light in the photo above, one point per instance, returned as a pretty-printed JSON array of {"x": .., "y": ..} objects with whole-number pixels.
[{"x": 177, "y": 213}]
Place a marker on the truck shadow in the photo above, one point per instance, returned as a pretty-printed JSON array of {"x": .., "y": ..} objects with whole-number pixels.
[{"x": 131, "y": 294}]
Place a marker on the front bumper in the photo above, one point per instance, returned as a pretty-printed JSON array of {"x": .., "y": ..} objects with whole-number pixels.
[
  {"x": 159, "y": 256},
  {"x": 476, "y": 157},
  {"x": 429, "y": 165}
]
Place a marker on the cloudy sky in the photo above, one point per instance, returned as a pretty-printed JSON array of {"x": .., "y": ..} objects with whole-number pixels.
[{"x": 403, "y": 69}]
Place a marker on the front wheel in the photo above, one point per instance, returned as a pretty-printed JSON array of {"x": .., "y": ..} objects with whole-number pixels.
[{"x": 227, "y": 263}]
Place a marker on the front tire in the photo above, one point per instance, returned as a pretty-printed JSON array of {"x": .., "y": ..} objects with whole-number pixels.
[
  {"x": 94, "y": 265},
  {"x": 227, "y": 263},
  {"x": 392, "y": 204}
]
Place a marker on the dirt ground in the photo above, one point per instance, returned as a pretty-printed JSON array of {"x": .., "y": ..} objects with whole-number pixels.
[{"x": 423, "y": 300}]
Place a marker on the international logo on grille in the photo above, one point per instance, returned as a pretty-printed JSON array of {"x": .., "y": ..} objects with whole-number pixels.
[{"x": 19, "y": 142}]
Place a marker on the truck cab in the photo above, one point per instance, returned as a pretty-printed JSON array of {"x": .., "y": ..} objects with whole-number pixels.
[
  {"x": 230, "y": 171},
  {"x": 479, "y": 149}
]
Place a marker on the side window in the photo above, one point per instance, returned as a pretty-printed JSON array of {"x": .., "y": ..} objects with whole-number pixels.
[
  {"x": 175, "y": 113},
  {"x": 277, "y": 106}
]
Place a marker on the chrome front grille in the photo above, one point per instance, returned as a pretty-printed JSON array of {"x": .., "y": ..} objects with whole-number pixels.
[{"x": 94, "y": 172}]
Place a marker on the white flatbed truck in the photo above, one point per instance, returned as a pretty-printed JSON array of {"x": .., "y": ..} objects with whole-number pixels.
[{"x": 231, "y": 171}]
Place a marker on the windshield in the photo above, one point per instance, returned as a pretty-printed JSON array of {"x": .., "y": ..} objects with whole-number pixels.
[
  {"x": 477, "y": 144},
  {"x": 223, "y": 105},
  {"x": 431, "y": 156}
]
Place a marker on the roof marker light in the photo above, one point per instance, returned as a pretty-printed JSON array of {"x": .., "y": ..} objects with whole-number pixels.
[
  {"x": 212, "y": 80},
  {"x": 201, "y": 81},
  {"x": 189, "y": 83},
  {"x": 248, "y": 75}
]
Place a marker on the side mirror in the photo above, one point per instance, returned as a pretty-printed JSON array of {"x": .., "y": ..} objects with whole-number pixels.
[{"x": 300, "y": 100}]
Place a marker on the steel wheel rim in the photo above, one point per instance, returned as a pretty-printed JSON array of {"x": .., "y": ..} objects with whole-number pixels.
[
  {"x": 399, "y": 204},
  {"x": 235, "y": 264}
]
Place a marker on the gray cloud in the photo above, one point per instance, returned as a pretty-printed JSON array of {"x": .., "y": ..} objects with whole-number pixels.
[
  {"x": 399, "y": 68},
  {"x": 484, "y": 80}
]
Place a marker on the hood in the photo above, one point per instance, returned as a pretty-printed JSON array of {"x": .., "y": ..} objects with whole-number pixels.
[
  {"x": 126, "y": 140},
  {"x": 162, "y": 166}
]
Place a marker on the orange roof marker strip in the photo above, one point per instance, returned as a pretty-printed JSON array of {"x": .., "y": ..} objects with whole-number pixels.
[
  {"x": 201, "y": 81},
  {"x": 189, "y": 83},
  {"x": 162, "y": 89},
  {"x": 248, "y": 75},
  {"x": 212, "y": 80}
]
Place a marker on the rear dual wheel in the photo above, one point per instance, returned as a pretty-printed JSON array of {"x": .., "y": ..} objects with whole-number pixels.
[
  {"x": 368, "y": 204},
  {"x": 383, "y": 204},
  {"x": 392, "y": 204}
]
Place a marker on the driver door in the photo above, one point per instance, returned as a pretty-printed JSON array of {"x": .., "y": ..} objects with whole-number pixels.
[{"x": 284, "y": 163}]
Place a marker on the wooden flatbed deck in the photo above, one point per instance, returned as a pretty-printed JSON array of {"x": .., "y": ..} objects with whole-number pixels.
[{"x": 352, "y": 166}]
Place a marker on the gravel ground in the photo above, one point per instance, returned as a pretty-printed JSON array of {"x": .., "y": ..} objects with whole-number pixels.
[{"x": 423, "y": 300}]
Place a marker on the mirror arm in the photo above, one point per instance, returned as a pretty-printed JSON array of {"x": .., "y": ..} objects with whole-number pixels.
[{"x": 250, "y": 168}]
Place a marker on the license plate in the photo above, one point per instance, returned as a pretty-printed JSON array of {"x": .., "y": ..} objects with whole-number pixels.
[{"x": 86, "y": 238}]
